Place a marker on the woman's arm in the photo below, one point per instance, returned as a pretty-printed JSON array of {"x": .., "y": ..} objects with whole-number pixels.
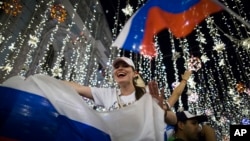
[
  {"x": 82, "y": 90},
  {"x": 179, "y": 89}
]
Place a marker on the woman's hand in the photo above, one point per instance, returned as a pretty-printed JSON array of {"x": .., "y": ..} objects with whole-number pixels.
[
  {"x": 169, "y": 116},
  {"x": 186, "y": 75},
  {"x": 159, "y": 96}
]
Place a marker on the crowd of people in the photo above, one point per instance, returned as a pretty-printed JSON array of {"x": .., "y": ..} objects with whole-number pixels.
[{"x": 186, "y": 126}]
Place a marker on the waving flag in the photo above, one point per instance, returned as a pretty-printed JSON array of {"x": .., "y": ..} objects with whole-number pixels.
[
  {"x": 41, "y": 108},
  {"x": 179, "y": 16}
]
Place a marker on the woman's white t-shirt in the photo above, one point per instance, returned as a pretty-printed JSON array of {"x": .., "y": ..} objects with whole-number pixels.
[{"x": 111, "y": 98}]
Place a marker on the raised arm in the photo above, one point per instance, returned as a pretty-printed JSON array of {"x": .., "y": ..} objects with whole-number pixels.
[
  {"x": 82, "y": 90},
  {"x": 179, "y": 89}
]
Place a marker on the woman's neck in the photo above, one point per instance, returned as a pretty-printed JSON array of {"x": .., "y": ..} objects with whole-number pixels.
[{"x": 127, "y": 89}]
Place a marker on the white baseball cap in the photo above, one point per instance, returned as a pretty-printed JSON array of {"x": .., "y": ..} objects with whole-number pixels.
[
  {"x": 185, "y": 115},
  {"x": 124, "y": 59}
]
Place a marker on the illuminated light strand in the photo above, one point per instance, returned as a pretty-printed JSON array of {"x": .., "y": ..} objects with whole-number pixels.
[
  {"x": 204, "y": 103},
  {"x": 116, "y": 19},
  {"x": 84, "y": 68},
  {"x": 11, "y": 53},
  {"x": 83, "y": 71},
  {"x": 174, "y": 59},
  {"x": 5, "y": 40},
  {"x": 93, "y": 76},
  {"x": 4, "y": 26},
  {"x": 37, "y": 34},
  {"x": 72, "y": 64},
  {"x": 193, "y": 98},
  {"x": 18, "y": 44},
  {"x": 77, "y": 64},
  {"x": 184, "y": 46},
  {"x": 60, "y": 55},
  {"x": 219, "y": 107},
  {"x": 160, "y": 70},
  {"x": 42, "y": 61},
  {"x": 226, "y": 75},
  {"x": 7, "y": 67},
  {"x": 243, "y": 54},
  {"x": 237, "y": 102},
  {"x": 144, "y": 68},
  {"x": 193, "y": 95}
]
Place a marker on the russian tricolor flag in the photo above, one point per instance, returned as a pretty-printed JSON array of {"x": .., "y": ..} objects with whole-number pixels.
[
  {"x": 41, "y": 108},
  {"x": 179, "y": 16}
]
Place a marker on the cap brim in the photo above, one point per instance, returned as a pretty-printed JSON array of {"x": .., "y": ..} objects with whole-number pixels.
[
  {"x": 119, "y": 60},
  {"x": 183, "y": 116},
  {"x": 200, "y": 119}
]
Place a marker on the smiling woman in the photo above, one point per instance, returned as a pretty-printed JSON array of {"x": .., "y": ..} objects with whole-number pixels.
[
  {"x": 125, "y": 75},
  {"x": 129, "y": 91}
]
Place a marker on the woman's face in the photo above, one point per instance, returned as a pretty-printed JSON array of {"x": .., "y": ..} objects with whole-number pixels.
[{"x": 123, "y": 73}]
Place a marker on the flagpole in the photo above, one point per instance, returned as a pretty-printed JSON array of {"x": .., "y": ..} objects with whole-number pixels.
[{"x": 232, "y": 13}]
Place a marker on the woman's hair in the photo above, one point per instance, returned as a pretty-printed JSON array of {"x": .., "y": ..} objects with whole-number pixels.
[{"x": 139, "y": 88}]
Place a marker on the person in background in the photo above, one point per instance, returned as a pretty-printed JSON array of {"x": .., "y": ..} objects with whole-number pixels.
[
  {"x": 129, "y": 91},
  {"x": 187, "y": 127},
  {"x": 207, "y": 132}
]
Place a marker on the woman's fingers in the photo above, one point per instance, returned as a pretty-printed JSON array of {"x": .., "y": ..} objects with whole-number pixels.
[
  {"x": 162, "y": 93},
  {"x": 153, "y": 88}
]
